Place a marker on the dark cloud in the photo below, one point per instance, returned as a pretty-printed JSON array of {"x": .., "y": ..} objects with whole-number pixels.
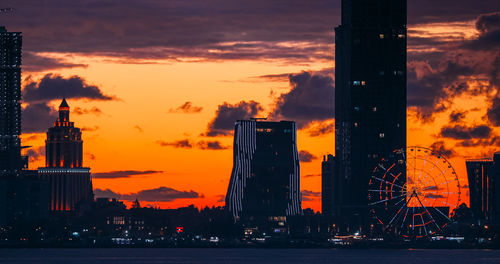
[
  {"x": 311, "y": 98},
  {"x": 122, "y": 174},
  {"x": 489, "y": 26},
  {"x": 35, "y": 154},
  {"x": 32, "y": 137},
  {"x": 310, "y": 195},
  {"x": 493, "y": 141},
  {"x": 209, "y": 30},
  {"x": 211, "y": 145},
  {"x": 187, "y": 143},
  {"x": 36, "y": 63},
  {"x": 433, "y": 196},
  {"x": 440, "y": 148},
  {"x": 463, "y": 132},
  {"x": 37, "y": 118},
  {"x": 184, "y": 143},
  {"x": 284, "y": 77},
  {"x": 215, "y": 30},
  {"x": 457, "y": 116},
  {"x": 429, "y": 87},
  {"x": 138, "y": 128},
  {"x": 90, "y": 156},
  {"x": 52, "y": 87},
  {"x": 430, "y": 11},
  {"x": 306, "y": 156},
  {"x": 227, "y": 114},
  {"x": 312, "y": 175},
  {"x": 441, "y": 71},
  {"x": 90, "y": 129},
  {"x": 106, "y": 193},
  {"x": 320, "y": 129},
  {"x": 83, "y": 111},
  {"x": 221, "y": 198},
  {"x": 488, "y": 22},
  {"x": 494, "y": 112},
  {"x": 187, "y": 108},
  {"x": 431, "y": 188},
  {"x": 161, "y": 194}
]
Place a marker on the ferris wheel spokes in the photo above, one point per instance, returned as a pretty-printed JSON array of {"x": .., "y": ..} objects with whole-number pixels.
[{"x": 412, "y": 192}]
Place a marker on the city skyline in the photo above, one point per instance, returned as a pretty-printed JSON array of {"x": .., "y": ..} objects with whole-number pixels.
[{"x": 111, "y": 94}]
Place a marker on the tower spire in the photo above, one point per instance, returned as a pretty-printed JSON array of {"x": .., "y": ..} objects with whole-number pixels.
[{"x": 64, "y": 111}]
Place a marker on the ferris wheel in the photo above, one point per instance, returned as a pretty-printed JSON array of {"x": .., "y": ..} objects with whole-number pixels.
[{"x": 412, "y": 192}]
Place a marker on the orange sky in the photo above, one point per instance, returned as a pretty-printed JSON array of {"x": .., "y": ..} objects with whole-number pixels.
[{"x": 125, "y": 135}]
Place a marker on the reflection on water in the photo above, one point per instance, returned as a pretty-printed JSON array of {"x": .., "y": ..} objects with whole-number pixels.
[{"x": 129, "y": 256}]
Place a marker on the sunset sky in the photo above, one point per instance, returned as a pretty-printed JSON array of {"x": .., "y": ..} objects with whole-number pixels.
[{"x": 157, "y": 85}]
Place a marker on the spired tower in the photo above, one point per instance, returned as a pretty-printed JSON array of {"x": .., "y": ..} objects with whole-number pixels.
[
  {"x": 70, "y": 183},
  {"x": 370, "y": 97},
  {"x": 63, "y": 146}
]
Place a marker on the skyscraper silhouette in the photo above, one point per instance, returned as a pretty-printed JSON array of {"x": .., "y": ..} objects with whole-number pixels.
[
  {"x": 10, "y": 103},
  {"x": 22, "y": 195},
  {"x": 265, "y": 181},
  {"x": 63, "y": 146},
  {"x": 370, "y": 95},
  {"x": 329, "y": 186},
  {"x": 69, "y": 182},
  {"x": 484, "y": 183}
]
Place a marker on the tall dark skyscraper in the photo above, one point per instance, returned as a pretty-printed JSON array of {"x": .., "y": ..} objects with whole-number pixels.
[
  {"x": 370, "y": 94},
  {"x": 10, "y": 103},
  {"x": 483, "y": 178},
  {"x": 22, "y": 195},
  {"x": 69, "y": 182},
  {"x": 329, "y": 182},
  {"x": 265, "y": 181}
]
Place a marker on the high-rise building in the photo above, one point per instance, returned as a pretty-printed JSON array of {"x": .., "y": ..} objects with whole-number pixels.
[
  {"x": 496, "y": 193},
  {"x": 23, "y": 197},
  {"x": 370, "y": 95},
  {"x": 481, "y": 189},
  {"x": 63, "y": 146},
  {"x": 484, "y": 196},
  {"x": 11, "y": 161},
  {"x": 329, "y": 187},
  {"x": 69, "y": 182},
  {"x": 265, "y": 181}
]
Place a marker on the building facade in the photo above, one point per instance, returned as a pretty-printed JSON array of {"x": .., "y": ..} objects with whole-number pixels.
[
  {"x": 265, "y": 180},
  {"x": 481, "y": 189},
  {"x": 328, "y": 185},
  {"x": 484, "y": 196},
  {"x": 11, "y": 161},
  {"x": 370, "y": 95},
  {"x": 70, "y": 183},
  {"x": 64, "y": 145},
  {"x": 23, "y": 197}
]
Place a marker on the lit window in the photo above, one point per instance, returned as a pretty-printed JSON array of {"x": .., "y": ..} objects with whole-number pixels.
[
  {"x": 381, "y": 135},
  {"x": 374, "y": 109},
  {"x": 401, "y": 36},
  {"x": 381, "y": 36},
  {"x": 356, "y": 124},
  {"x": 356, "y": 83},
  {"x": 363, "y": 83},
  {"x": 356, "y": 108}
]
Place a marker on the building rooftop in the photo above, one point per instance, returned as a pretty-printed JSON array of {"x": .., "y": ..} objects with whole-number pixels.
[{"x": 64, "y": 103}]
